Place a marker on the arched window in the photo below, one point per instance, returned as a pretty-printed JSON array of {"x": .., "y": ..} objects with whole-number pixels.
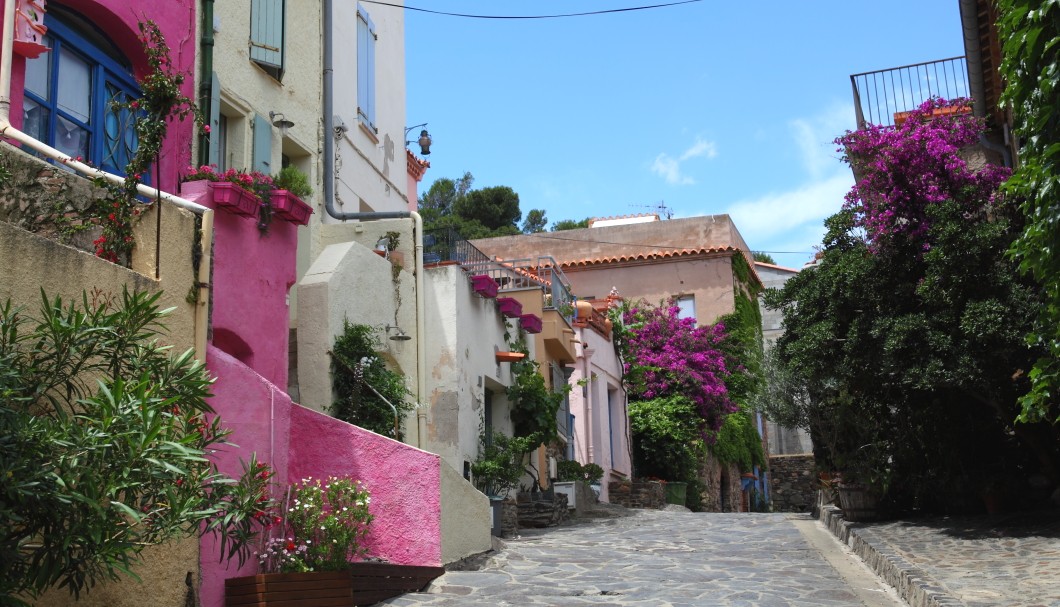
[{"x": 69, "y": 93}]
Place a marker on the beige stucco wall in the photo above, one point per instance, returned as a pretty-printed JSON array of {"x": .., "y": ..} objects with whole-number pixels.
[
  {"x": 708, "y": 278},
  {"x": 463, "y": 332},
  {"x": 371, "y": 173},
  {"x": 349, "y": 281},
  {"x": 466, "y": 517},
  {"x": 29, "y": 263}
]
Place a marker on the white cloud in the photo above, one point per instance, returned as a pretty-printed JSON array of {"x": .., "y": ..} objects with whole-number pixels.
[
  {"x": 773, "y": 218},
  {"x": 669, "y": 168},
  {"x": 814, "y": 137}
]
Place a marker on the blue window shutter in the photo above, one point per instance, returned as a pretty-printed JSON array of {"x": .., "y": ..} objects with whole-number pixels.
[
  {"x": 266, "y": 35},
  {"x": 366, "y": 69},
  {"x": 262, "y": 159},
  {"x": 215, "y": 120}
]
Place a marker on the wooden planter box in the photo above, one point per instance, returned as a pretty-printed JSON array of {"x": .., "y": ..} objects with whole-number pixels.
[{"x": 362, "y": 584}]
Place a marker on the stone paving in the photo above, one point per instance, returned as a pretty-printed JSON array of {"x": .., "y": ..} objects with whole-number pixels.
[
  {"x": 656, "y": 558},
  {"x": 986, "y": 561}
]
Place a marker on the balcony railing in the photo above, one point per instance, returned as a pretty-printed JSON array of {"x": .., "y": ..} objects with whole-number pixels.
[
  {"x": 542, "y": 273},
  {"x": 446, "y": 245},
  {"x": 878, "y": 96}
]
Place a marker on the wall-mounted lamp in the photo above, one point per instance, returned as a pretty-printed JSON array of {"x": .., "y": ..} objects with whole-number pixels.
[
  {"x": 398, "y": 335},
  {"x": 281, "y": 122},
  {"x": 424, "y": 140}
]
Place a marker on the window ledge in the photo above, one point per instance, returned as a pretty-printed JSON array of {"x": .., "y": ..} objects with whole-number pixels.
[{"x": 367, "y": 130}]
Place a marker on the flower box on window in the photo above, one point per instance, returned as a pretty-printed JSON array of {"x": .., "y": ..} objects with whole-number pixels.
[
  {"x": 531, "y": 323},
  {"x": 290, "y": 207},
  {"x": 224, "y": 195},
  {"x": 484, "y": 285},
  {"x": 510, "y": 307}
]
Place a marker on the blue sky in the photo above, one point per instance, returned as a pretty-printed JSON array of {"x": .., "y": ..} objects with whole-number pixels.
[{"x": 711, "y": 107}]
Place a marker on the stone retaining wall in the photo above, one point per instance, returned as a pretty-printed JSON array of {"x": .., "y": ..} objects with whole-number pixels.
[
  {"x": 638, "y": 494},
  {"x": 543, "y": 513},
  {"x": 792, "y": 483}
]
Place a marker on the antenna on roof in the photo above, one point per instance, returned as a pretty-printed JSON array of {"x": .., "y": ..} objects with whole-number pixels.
[{"x": 661, "y": 208}]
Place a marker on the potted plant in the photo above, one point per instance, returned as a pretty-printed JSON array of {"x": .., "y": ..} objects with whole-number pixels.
[
  {"x": 291, "y": 188},
  {"x": 498, "y": 469},
  {"x": 317, "y": 544}
]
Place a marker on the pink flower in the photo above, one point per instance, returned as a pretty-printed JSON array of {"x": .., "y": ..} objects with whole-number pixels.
[{"x": 205, "y": 128}]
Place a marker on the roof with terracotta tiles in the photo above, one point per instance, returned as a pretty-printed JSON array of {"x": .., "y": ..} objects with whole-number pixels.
[{"x": 591, "y": 261}]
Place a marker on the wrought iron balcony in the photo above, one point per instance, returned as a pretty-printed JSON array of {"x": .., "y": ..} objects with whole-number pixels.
[
  {"x": 446, "y": 245},
  {"x": 881, "y": 96}
]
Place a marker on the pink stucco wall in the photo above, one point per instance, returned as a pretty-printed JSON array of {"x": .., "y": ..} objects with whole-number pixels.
[
  {"x": 120, "y": 23},
  {"x": 252, "y": 275},
  {"x": 404, "y": 482}
]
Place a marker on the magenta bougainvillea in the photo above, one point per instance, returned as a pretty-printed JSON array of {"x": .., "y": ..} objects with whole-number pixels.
[
  {"x": 667, "y": 355},
  {"x": 901, "y": 170}
]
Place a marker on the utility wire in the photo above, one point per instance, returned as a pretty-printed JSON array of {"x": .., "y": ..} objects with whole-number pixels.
[
  {"x": 549, "y": 236},
  {"x": 555, "y": 16}
]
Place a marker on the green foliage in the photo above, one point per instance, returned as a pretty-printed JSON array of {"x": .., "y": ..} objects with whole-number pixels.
[
  {"x": 103, "y": 441},
  {"x": 294, "y": 180},
  {"x": 1030, "y": 31},
  {"x": 482, "y": 213},
  {"x": 534, "y": 406},
  {"x": 571, "y": 470},
  {"x": 569, "y": 224},
  {"x": 500, "y": 463},
  {"x": 763, "y": 257},
  {"x": 363, "y": 384},
  {"x": 667, "y": 438},
  {"x": 739, "y": 443},
  {"x": 535, "y": 222},
  {"x": 325, "y": 524}
]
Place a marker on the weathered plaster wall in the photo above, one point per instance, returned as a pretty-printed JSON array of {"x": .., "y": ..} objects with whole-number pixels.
[
  {"x": 371, "y": 167},
  {"x": 349, "y": 281},
  {"x": 177, "y": 22},
  {"x": 466, "y": 517},
  {"x": 601, "y": 426},
  {"x": 463, "y": 333}
]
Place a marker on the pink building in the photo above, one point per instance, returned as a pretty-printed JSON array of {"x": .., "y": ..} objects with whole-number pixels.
[{"x": 66, "y": 71}]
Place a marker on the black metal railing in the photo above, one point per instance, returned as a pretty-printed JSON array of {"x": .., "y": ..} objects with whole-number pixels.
[
  {"x": 543, "y": 273},
  {"x": 879, "y": 95},
  {"x": 444, "y": 244}
]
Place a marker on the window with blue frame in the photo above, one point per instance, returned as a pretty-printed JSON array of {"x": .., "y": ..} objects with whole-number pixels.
[
  {"x": 70, "y": 91},
  {"x": 366, "y": 37}
]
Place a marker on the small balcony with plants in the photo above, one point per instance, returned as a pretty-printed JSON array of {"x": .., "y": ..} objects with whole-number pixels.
[{"x": 886, "y": 97}]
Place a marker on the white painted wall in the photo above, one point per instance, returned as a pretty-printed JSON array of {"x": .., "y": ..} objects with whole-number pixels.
[
  {"x": 371, "y": 172},
  {"x": 463, "y": 332}
]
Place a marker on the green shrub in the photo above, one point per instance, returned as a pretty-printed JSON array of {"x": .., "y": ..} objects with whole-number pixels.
[
  {"x": 364, "y": 385},
  {"x": 294, "y": 180}
]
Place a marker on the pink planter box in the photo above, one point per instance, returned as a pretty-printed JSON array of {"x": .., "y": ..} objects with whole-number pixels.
[
  {"x": 484, "y": 286},
  {"x": 234, "y": 198},
  {"x": 290, "y": 207},
  {"x": 530, "y": 323},
  {"x": 510, "y": 307}
]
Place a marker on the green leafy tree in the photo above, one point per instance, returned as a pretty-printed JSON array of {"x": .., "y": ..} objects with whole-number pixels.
[
  {"x": 364, "y": 385},
  {"x": 104, "y": 436},
  {"x": 763, "y": 257},
  {"x": 667, "y": 437},
  {"x": 1030, "y": 30},
  {"x": 569, "y": 224},
  {"x": 535, "y": 222},
  {"x": 907, "y": 335},
  {"x": 495, "y": 208}
]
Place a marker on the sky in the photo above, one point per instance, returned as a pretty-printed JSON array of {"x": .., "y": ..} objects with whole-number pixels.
[{"x": 707, "y": 108}]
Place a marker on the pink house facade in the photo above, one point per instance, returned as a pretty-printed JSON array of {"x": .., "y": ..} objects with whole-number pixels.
[
  {"x": 248, "y": 355},
  {"x": 61, "y": 96}
]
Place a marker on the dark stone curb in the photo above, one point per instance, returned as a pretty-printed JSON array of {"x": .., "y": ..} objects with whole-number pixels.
[{"x": 913, "y": 585}]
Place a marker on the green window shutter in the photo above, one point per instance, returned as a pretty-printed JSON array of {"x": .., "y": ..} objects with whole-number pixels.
[
  {"x": 262, "y": 159},
  {"x": 266, "y": 35},
  {"x": 215, "y": 121}
]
